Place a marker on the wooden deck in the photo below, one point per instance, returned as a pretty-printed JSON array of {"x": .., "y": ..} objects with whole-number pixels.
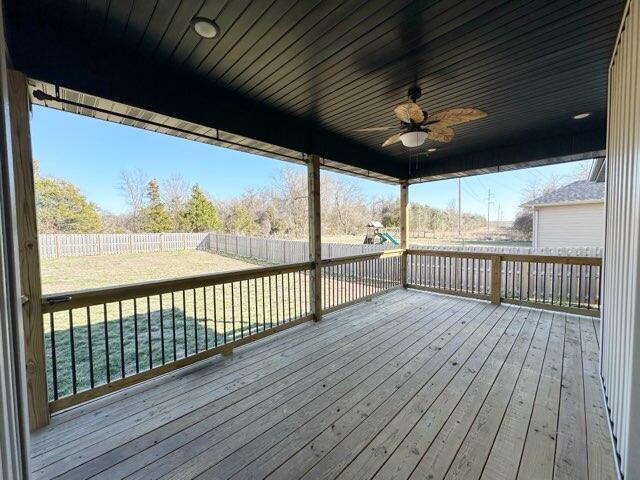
[{"x": 408, "y": 385}]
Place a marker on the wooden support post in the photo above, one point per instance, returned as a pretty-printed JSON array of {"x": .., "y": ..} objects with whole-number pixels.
[
  {"x": 496, "y": 275},
  {"x": 315, "y": 250},
  {"x": 404, "y": 229},
  {"x": 27, "y": 235}
]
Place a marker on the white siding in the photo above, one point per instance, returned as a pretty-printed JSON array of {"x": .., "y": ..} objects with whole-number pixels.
[
  {"x": 620, "y": 355},
  {"x": 576, "y": 225}
]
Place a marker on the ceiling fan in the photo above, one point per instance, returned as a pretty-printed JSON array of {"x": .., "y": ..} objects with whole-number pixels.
[{"x": 418, "y": 125}]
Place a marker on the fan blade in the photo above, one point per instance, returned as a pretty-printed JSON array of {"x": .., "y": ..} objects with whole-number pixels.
[
  {"x": 440, "y": 133},
  {"x": 392, "y": 139},
  {"x": 373, "y": 129},
  {"x": 408, "y": 112},
  {"x": 455, "y": 116}
]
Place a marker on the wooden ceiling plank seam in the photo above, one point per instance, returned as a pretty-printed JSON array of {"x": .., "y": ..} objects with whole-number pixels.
[
  {"x": 488, "y": 68},
  {"x": 349, "y": 65},
  {"x": 437, "y": 103},
  {"x": 322, "y": 26},
  {"x": 296, "y": 32},
  {"x": 370, "y": 95},
  {"x": 276, "y": 10},
  {"x": 231, "y": 34},
  {"x": 494, "y": 108},
  {"x": 265, "y": 45},
  {"x": 455, "y": 18},
  {"x": 247, "y": 45},
  {"x": 225, "y": 19},
  {"x": 162, "y": 17},
  {"x": 478, "y": 134},
  {"x": 429, "y": 86},
  {"x": 328, "y": 46},
  {"x": 210, "y": 9},
  {"x": 476, "y": 99},
  {"x": 138, "y": 21},
  {"x": 118, "y": 14},
  {"x": 177, "y": 28}
]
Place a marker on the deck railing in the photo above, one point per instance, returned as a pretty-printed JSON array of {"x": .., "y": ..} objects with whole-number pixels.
[
  {"x": 101, "y": 340},
  {"x": 564, "y": 283},
  {"x": 346, "y": 280}
]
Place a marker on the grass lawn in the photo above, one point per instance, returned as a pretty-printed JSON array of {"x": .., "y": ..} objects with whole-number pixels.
[
  {"x": 78, "y": 273},
  {"x": 118, "y": 339},
  {"x": 134, "y": 335}
]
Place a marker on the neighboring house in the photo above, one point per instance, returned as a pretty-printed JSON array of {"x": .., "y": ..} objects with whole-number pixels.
[{"x": 571, "y": 216}]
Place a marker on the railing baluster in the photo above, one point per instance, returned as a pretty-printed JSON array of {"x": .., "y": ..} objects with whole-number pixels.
[
  {"x": 173, "y": 324},
  {"x": 184, "y": 323},
  {"x": 206, "y": 319},
  {"x": 149, "y": 333},
  {"x": 233, "y": 312},
  {"x": 72, "y": 344},
  {"x": 264, "y": 316},
  {"x": 106, "y": 342},
  {"x": 54, "y": 358},
  {"x": 270, "y": 305},
  {"x": 135, "y": 334},
  {"x": 589, "y": 290},
  {"x": 224, "y": 315},
  {"x": 122, "y": 366},
  {"x": 89, "y": 340},
  {"x": 215, "y": 316},
  {"x": 241, "y": 313},
  {"x": 162, "y": 328}
]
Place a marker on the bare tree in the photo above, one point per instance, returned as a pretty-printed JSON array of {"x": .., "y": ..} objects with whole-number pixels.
[
  {"x": 133, "y": 186},
  {"x": 175, "y": 193}
]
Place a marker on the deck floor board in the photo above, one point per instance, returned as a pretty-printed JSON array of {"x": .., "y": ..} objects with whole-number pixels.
[{"x": 408, "y": 385}]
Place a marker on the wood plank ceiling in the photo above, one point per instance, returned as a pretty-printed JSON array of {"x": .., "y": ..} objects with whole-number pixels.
[{"x": 304, "y": 75}]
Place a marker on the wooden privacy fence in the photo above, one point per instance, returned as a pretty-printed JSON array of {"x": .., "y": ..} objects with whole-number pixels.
[
  {"x": 100, "y": 340},
  {"x": 79, "y": 245},
  {"x": 266, "y": 249},
  {"x": 279, "y": 251}
]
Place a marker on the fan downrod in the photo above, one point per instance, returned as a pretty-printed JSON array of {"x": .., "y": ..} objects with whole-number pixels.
[{"x": 414, "y": 93}]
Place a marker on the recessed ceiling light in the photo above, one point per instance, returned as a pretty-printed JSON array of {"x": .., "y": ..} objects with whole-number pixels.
[
  {"x": 580, "y": 116},
  {"x": 431, "y": 149},
  {"x": 205, "y": 27}
]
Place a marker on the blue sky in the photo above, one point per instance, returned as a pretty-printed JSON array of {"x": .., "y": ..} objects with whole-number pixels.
[{"x": 91, "y": 153}]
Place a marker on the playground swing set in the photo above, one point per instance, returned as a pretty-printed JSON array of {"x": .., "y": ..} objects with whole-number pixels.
[{"x": 376, "y": 234}]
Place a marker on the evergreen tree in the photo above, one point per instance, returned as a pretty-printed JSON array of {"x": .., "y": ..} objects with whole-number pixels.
[
  {"x": 62, "y": 208},
  {"x": 155, "y": 216},
  {"x": 200, "y": 214}
]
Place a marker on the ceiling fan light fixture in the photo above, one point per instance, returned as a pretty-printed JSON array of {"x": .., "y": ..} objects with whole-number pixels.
[
  {"x": 413, "y": 139},
  {"x": 580, "y": 116},
  {"x": 205, "y": 27}
]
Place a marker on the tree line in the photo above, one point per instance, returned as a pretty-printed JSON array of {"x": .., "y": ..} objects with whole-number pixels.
[{"x": 174, "y": 205}]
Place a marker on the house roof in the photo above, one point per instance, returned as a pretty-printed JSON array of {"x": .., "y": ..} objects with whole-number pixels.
[{"x": 580, "y": 191}]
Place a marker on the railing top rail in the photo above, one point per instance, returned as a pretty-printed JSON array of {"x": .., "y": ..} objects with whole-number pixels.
[
  {"x": 566, "y": 260},
  {"x": 98, "y": 296},
  {"x": 521, "y": 257},
  {"x": 451, "y": 253},
  {"x": 396, "y": 252}
]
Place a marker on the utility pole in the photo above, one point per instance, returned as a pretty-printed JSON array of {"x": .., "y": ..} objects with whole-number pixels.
[
  {"x": 489, "y": 203},
  {"x": 459, "y": 209}
]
